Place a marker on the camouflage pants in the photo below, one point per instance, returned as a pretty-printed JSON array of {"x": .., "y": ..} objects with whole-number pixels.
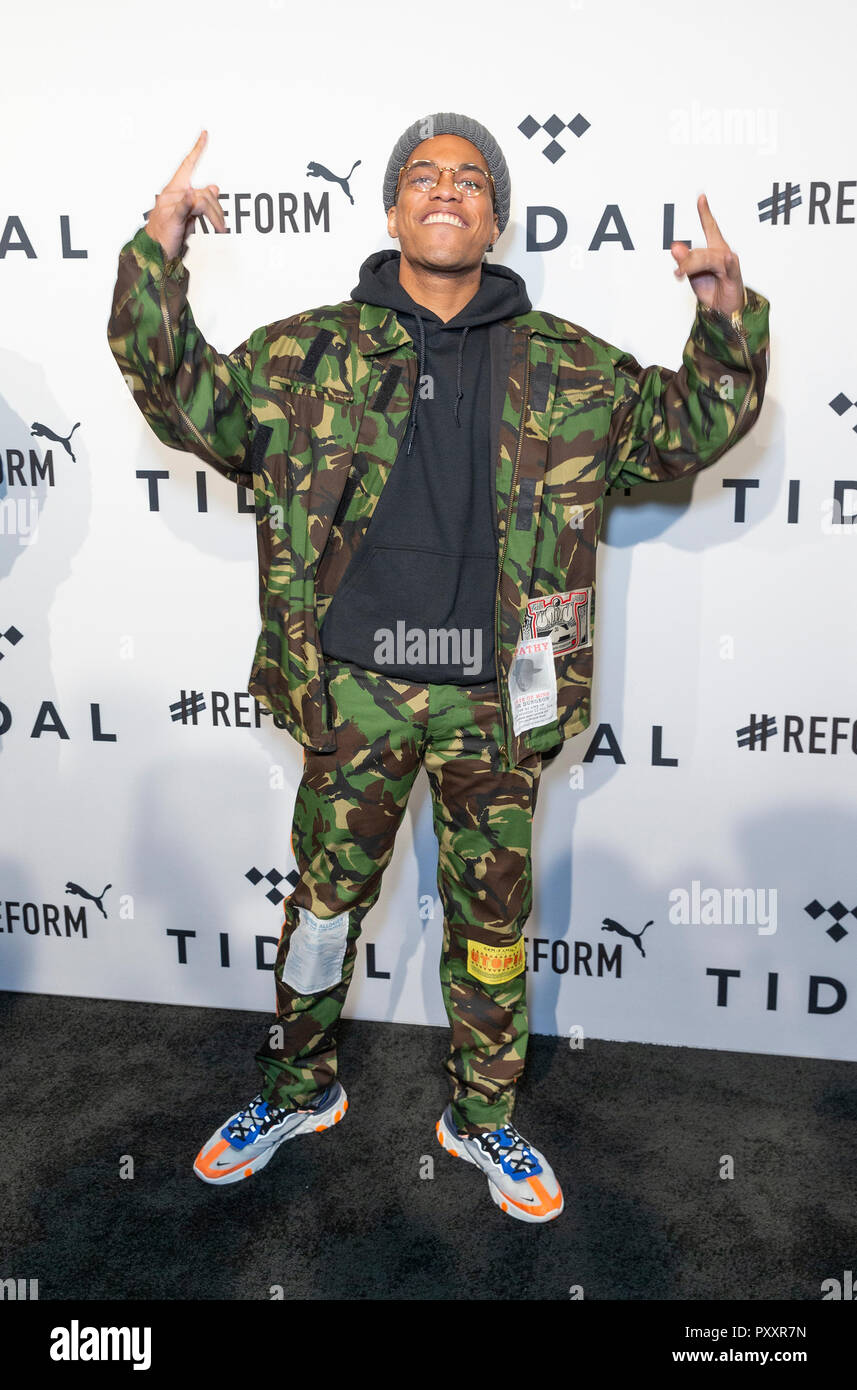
[{"x": 348, "y": 809}]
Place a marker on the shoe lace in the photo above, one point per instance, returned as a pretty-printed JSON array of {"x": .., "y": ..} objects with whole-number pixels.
[
  {"x": 255, "y": 1119},
  {"x": 259, "y": 1116},
  {"x": 510, "y": 1151}
]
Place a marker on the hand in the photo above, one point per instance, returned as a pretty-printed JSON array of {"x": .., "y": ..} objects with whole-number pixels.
[
  {"x": 178, "y": 203},
  {"x": 713, "y": 270}
]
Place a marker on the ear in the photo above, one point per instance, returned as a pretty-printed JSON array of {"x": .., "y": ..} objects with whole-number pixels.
[{"x": 391, "y": 223}]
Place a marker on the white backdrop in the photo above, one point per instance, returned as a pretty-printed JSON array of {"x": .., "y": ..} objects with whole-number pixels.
[{"x": 708, "y": 615}]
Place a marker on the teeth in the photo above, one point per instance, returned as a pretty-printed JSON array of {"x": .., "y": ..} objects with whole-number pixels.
[{"x": 445, "y": 217}]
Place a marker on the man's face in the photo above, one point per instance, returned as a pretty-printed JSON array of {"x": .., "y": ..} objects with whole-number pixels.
[{"x": 443, "y": 229}]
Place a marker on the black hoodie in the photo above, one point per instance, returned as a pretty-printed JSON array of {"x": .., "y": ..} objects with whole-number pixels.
[{"x": 428, "y": 562}]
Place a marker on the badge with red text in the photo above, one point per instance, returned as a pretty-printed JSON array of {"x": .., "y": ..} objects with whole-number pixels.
[
  {"x": 532, "y": 685},
  {"x": 564, "y": 617},
  {"x": 495, "y": 964}
]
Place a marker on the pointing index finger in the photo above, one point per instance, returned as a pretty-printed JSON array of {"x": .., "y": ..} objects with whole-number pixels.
[
  {"x": 182, "y": 175},
  {"x": 713, "y": 234}
]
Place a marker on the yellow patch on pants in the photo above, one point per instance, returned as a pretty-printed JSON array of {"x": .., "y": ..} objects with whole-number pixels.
[{"x": 495, "y": 964}]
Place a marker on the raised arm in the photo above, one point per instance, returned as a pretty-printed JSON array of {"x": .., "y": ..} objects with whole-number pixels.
[
  {"x": 669, "y": 423},
  {"x": 193, "y": 397}
]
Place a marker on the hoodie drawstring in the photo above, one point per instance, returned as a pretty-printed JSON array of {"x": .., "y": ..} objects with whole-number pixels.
[
  {"x": 419, "y": 380},
  {"x": 459, "y": 392}
]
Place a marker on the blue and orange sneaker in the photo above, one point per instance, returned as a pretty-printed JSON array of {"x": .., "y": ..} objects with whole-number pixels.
[
  {"x": 249, "y": 1139},
  {"x": 520, "y": 1179}
]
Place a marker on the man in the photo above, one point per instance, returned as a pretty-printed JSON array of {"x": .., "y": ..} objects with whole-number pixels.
[{"x": 429, "y": 461}]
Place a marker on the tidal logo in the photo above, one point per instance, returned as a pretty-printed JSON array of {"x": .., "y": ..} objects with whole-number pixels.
[
  {"x": 48, "y": 721},
  {"x": 153, "y": 477},
  {"x": 604, "y": 744},
  {"x": 275, "y": 878},
  {"x": 318, "y": 171},
  {"x": 553, "y": 127},
  {"x": 611, "y": 227},
  {"x": 815, "y": 1003},
  {"x": 834, "y": 517},
  {"x": 12, "y": 636},
  {"x": 840, "y": 404},
  {"x": 837, "y": 912},
  {"x": 263, "y": 946},
  {"x": 14, "y": 238},
  {"x": 183, "y": 935}
]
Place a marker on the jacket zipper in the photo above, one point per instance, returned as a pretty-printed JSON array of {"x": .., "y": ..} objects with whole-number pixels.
[
  {"x": 172, "y": 347},
  {"x": 743, "y": 337},
  {"x": 525, "y": 399}
]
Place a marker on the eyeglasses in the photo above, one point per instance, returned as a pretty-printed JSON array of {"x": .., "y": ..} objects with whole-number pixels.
[{"x": 424, "y": 174}]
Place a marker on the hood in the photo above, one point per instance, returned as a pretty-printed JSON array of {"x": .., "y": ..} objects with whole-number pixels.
[{"x": 501, "y": 295}]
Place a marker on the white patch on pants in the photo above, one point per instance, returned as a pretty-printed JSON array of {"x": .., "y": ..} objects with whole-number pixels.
[{"x": 316, "y": 952}]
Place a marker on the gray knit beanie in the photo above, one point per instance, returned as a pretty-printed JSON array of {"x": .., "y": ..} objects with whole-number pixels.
[{"x": 450, "y": 123}]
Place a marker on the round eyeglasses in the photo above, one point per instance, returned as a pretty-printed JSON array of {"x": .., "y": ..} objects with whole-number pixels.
[{"x": 424, "y": 175}]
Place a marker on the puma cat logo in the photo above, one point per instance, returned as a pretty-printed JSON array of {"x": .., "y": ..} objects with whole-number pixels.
[
  {"x": 82, "y": 893},
  {"x": 318, "y": 171},
  {"x": 45, "y": 433},
  {"x": 610, "y": 925}
]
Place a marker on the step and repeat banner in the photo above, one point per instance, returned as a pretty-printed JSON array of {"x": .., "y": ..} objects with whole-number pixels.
[{"x": 695, "y": 874}]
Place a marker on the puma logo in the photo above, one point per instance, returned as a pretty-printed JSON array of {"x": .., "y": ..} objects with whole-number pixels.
[
  {"x": 45, "y": 433},
  {"x": 318, "y": 171},
  {"x": 610, "y": 925},
  {"x": 82, "y": 893}
]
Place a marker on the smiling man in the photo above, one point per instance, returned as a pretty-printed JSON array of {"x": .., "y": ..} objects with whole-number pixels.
[
  {"x": 429, "y": 460},
  {"x": 443, "y": 230}
]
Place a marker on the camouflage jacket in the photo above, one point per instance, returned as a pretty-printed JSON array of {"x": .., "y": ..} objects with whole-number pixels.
[{"x": 309, "y": 412}]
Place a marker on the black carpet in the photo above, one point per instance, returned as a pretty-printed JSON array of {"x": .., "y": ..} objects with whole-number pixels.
[{"x": 636, "y": 1134}]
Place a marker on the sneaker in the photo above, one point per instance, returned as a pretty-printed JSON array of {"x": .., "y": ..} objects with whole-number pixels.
[
  {"x": 249, "y": 1139},
  {"x": 520, "y": 1179}
]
